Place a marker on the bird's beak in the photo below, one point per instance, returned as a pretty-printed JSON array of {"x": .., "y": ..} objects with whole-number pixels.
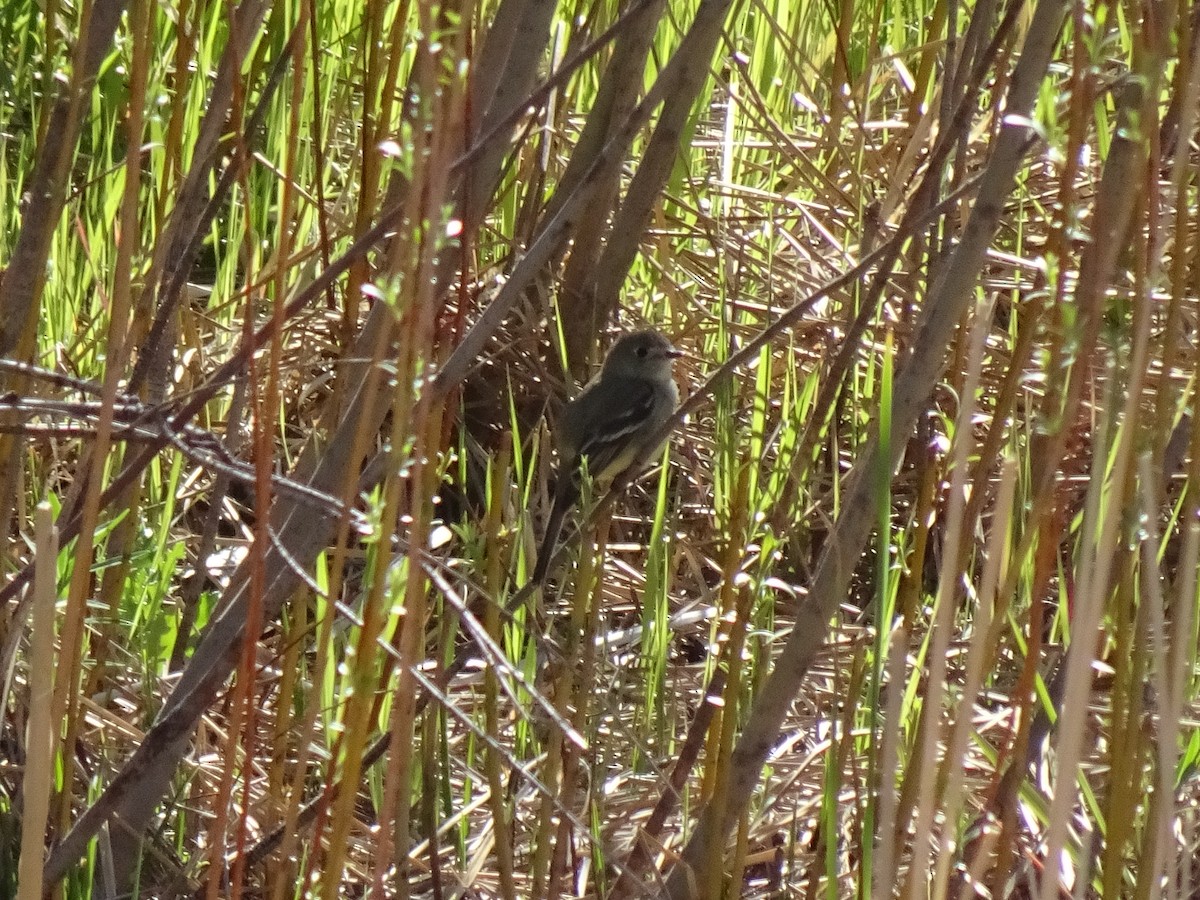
[{"x": 674, "y": 353}]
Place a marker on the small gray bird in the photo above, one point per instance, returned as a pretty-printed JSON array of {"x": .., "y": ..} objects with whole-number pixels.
[{"x": 611, "y": 424}]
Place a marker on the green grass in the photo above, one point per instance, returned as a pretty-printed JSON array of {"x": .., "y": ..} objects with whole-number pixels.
[{"x": 1007, "y": 539}]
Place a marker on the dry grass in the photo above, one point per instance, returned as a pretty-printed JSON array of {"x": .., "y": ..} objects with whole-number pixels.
[{"x": 909, "y": 611}]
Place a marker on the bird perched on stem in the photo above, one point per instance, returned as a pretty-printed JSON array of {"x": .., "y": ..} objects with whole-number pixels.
[{"x": 611, "y": 424}]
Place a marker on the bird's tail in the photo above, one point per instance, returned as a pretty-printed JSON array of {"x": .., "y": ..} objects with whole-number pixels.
[{"x": 565, "y": 494}]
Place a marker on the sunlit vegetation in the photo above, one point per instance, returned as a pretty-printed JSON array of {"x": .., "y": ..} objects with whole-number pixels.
[{"x": 292, "y": 295}]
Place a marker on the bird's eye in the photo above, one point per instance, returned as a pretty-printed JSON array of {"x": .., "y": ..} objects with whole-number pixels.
[{"x": 642, "y": 351}]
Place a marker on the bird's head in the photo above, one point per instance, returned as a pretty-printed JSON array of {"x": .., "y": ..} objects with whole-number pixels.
[{"x": 645, "y": 353}]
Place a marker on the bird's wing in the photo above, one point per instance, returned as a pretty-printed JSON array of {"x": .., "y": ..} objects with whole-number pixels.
[{"x": 607, "y": 433}]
